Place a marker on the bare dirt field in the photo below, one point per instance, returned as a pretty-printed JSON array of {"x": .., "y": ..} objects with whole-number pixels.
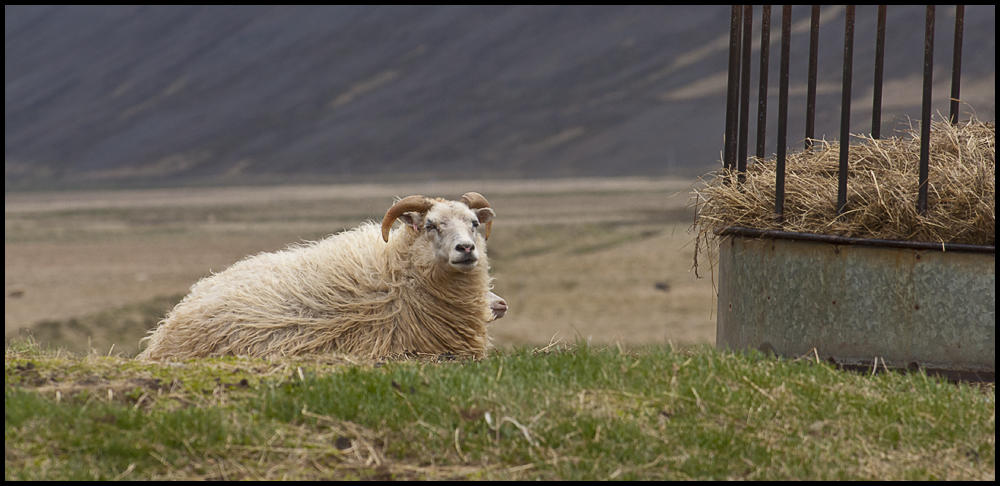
[{"x": 599, "y": 259}]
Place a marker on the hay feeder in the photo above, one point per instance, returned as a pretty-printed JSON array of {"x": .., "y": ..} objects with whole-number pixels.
[{"x": 875, "y": 255}]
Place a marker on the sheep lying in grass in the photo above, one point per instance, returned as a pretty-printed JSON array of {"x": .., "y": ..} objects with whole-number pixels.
[{"x": 422, "y": 289}]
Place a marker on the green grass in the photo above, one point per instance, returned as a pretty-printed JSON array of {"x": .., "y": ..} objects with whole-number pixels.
[{"x": 567, "y": 412}]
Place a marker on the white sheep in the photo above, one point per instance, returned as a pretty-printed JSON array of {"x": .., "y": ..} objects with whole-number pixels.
[{"x": 424, "y": 289}]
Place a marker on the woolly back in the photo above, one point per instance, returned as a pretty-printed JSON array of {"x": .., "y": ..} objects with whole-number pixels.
[{"x": 349, "y": 293}]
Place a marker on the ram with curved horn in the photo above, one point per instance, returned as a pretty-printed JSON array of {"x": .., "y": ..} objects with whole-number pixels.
[{"x": 424, "y": 289}]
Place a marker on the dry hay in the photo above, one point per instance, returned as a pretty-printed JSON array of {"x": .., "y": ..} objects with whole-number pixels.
[{"x": 881, "y": 190}]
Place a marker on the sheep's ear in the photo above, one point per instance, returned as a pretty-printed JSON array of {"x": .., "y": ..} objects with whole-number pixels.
[
  {"x": 412, "y": 219},
  {"x": 485, "y": 215}
]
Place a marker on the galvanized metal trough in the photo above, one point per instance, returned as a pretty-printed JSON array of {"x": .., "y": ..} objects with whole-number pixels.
[{"x": 860, "y": 302}]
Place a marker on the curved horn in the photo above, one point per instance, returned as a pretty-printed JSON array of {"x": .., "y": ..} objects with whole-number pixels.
[
  {"x": 475, "y": 200},
  {"x": 418, "y": 204}
]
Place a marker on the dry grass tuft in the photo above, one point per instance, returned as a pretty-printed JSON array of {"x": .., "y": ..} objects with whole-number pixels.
[{"x": 882, "y": 190}]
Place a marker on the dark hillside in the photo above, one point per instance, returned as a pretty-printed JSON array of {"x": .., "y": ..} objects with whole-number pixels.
[{"x": 181, "y": 95}]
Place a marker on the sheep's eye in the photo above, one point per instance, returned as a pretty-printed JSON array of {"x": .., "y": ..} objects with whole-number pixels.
[
  {"x": 475, "y": 224},
  {"x": 430, "y": 226}
]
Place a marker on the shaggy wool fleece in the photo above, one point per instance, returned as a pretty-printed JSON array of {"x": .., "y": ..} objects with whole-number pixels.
[{"x": 350, "y": 293}]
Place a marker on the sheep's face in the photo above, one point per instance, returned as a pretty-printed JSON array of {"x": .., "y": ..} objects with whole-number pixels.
[{"x": 451, "y": 229}]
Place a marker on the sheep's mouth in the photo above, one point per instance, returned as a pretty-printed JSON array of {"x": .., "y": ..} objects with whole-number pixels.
[{"x": 468, "y": 260}]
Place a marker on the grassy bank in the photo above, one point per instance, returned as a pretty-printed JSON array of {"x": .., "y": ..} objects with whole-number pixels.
[{"x": 565, "y": 412}]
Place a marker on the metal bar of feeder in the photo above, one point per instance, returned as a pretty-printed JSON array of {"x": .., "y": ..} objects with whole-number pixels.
[
  {"x": 779, "y": 178},
  {"x": 741, "y": 158},
  {"x": 732, "y": 91},
  {"x": 847, "y": 240},
  {"x": 845, "y": 110},
  {"x": 811, "y": 90},
  {"x": 925, "y": 112},
  {"x": 956, "y": 66},
  {"x": 765, "y": 48},
  {"x": 879, "y": 67}
]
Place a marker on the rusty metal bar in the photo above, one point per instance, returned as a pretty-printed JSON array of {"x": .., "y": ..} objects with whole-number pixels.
[
  {"x": 879, "y": 65},
  {"x": 811, "y": 90},
  {"x": 765, "y": 49},
  {"x": 846, "y": 240},
  {"x": 925, "y": 111},
  {"x": 741, "y": 159},
  {"x": 779, "y": 182},
  {"x": 845, "y": 109},
  {"x": 956, "y": 66},
  {"x": 732, "y": 92}
]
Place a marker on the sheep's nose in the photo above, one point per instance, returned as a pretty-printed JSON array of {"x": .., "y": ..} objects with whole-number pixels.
[{"x": 465, "y": 248}]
